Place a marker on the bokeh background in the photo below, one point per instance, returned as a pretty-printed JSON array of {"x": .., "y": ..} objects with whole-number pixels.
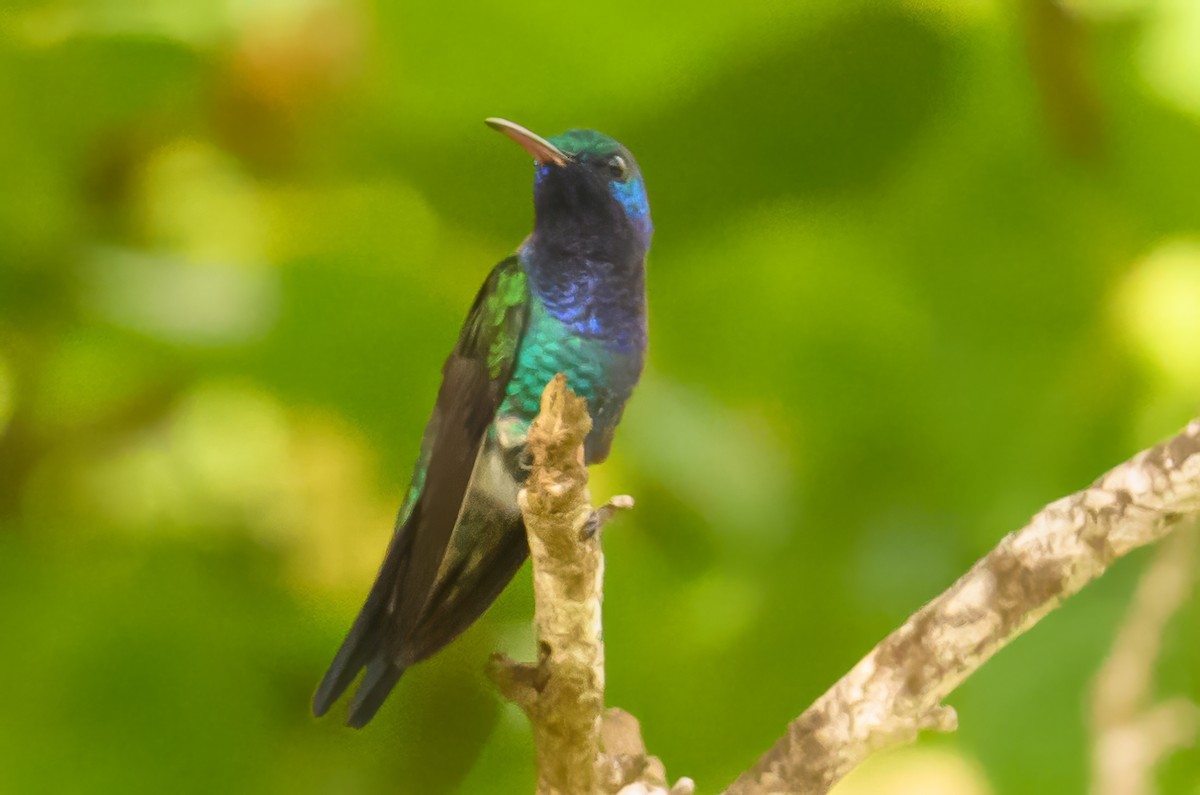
[{"x": 920, "y": 268}]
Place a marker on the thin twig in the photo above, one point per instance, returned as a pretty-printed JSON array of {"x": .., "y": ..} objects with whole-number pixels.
[{"x": 1131, "y": 733}]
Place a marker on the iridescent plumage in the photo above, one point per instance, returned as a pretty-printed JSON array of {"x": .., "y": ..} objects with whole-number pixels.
[{"x": 571, "y": 300}]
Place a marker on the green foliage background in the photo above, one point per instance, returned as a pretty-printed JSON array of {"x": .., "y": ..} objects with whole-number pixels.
[{"x": 920, "y": 268}]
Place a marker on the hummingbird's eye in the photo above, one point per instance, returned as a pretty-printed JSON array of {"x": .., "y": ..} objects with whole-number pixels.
[{"x": 617, "y": 167}]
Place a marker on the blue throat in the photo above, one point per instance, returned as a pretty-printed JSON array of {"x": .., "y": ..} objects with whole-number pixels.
[
  {"x": 597, "y": 297},
  {"x": 586, "y": 257}
]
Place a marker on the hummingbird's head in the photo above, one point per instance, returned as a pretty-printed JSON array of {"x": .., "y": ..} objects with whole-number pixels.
[{"x": 585, "y": 184}]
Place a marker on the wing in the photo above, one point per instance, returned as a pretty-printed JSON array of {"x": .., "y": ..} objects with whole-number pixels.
[{"x": 474, "y": 380}]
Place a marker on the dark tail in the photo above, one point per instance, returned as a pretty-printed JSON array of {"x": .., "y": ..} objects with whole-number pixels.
[
  {"x": 378, "y": 681},
  {"x": 368, "y": 645}
]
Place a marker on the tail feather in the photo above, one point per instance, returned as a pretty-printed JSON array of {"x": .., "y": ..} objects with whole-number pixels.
[
  {"x": 377, "y": 682},
  {"x": 366, "y": 643},
  {"x": 356, "y": 650}
]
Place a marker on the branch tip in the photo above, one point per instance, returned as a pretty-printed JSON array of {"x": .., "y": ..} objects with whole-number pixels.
[
  {"x": 684, "y": 786},
  {"x": 941, "y": 719},
  {"x": 519, "y": 683}
]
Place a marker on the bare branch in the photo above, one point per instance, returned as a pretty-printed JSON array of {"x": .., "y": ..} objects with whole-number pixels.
[
  {"x": 1132, "y": 734},
  {"x": 581, "y": 750},
  {"x": 564, "y": 693},
  {"x": 897, "y": 689}
]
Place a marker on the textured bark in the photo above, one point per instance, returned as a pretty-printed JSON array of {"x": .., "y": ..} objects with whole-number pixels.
[
  {"x": 892, "y": 693},
  {"x": 564, "y": 693},
  {"x": 581, "y": 749},
  {"x": 897, "y": 689}
]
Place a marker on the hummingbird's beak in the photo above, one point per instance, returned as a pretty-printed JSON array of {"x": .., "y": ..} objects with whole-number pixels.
[{"x": 542, "y": 150}]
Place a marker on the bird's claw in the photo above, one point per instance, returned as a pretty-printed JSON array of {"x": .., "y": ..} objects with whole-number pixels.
[{"x": 601, "y": 515}]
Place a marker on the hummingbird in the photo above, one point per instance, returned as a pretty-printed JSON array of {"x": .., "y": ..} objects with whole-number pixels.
[{"x": 572, "y": 299}]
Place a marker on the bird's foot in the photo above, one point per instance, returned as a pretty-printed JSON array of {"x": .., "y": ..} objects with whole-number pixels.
[{"x": 601, "y": 515}]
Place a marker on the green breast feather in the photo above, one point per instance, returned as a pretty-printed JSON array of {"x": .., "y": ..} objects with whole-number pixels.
[{"x": 547, "y": 348}]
